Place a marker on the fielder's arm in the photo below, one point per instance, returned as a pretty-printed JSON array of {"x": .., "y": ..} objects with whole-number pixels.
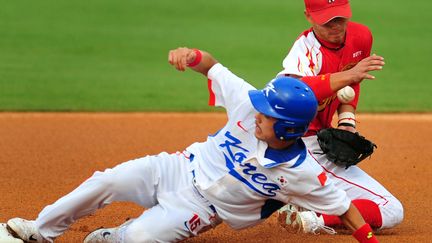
[
  {"x": 354, "y": 75},
  {"x": 199, "y": 61},
  {"x": 326, "y": 85}
]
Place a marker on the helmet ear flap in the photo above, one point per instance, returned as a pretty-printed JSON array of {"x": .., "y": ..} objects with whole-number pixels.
[
  {"x": 286, "y": 130},
  {"x": 278, "y": 130}
]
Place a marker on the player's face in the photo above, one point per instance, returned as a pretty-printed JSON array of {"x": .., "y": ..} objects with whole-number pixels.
[
  {"x": 332, "y": 31},
  {"x": 264, "y": 127}
]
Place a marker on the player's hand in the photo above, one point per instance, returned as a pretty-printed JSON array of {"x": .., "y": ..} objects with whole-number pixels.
[
  {"x": 180, "y": 57},
  {"x": 362, "y": 69}
]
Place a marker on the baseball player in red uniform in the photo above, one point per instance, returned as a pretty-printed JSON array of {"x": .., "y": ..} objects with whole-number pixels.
[
  {"x": 240, "y": 175},
  {"x": 335, "y": 44}
]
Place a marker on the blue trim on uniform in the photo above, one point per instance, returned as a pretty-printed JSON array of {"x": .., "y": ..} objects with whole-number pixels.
[
  {"x": 229, "y": 164},
  {"x": 279, "y": 156}
]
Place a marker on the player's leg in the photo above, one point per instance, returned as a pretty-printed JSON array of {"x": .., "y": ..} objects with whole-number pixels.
[
  {"x": 379, "y": 215},
  {"x": 376, "y": 204},
  {"x": 180, "y": 215},
  {"x": 175, "y": 224},
  {"x": 136, "y": 181}
]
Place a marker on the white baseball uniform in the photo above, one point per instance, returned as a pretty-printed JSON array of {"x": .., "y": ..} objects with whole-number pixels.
[
  {"x": 308, "y": 57},
  {"x": 229, "y": 178}
]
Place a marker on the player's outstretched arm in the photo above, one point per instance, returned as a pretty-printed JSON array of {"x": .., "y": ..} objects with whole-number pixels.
[
  {"x": 198, "y": 60},
  {"x": 326, "y": 85}
]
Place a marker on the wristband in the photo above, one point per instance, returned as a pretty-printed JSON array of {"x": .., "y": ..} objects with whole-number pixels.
[
  {"x": 347, "y": 118},
  {"x": 365, "y": 235},
  {"x": 346, "y": 124},
  {"x": 197, "y": 60}
]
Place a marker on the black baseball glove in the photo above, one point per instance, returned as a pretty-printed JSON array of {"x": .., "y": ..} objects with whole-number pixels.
[{"x": 344, "y": 148}]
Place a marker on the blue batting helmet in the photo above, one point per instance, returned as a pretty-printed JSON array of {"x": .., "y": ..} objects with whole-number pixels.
[{"x": 290, "y": 101}]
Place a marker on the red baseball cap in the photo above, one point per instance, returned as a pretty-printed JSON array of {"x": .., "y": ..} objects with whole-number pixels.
[{"x": 322, "y": 11}]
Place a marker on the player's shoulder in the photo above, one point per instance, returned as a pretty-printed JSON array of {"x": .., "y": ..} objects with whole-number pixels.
[
  {"x": 305, "y": 33},
  {"x": 306, "y": 40},
  {"x": 359, "y": 36},
  {"x": 358, "y": 29}
]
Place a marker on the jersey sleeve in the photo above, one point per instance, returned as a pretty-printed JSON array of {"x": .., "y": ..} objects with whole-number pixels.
[
  {"x": 320, "y": 85},
  {"x": 314, "y": 191},
  {"x": 304, "y": 58},
  {"x": 327, "y": 200},
  {"x": 226, "y": 89}
]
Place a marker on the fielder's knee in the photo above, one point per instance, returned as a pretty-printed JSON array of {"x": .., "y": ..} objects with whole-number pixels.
[{"x": 392, "y": 214}]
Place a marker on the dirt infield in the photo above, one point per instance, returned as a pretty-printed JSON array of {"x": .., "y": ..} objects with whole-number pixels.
[{"x": 45, "y": 155}]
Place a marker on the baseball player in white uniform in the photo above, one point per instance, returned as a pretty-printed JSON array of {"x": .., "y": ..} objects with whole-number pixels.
[{"x": 242, "y": 174}]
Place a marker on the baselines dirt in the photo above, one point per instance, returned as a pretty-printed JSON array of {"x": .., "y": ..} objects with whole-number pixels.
[{"x": 45, "y": 155}]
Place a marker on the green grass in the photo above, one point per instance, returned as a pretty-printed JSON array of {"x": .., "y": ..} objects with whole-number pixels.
[{"x": 106, "y": 55}]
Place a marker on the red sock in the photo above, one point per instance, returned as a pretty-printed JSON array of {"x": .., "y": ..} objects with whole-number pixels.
[
  {"x": 368, "y": 209},
  {"x": 365, "y": 235}
]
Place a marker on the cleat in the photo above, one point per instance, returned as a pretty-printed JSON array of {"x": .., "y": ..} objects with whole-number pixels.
[
  {"x": 25, "y": 230},
  {"x": 6, "y": 236},
  {"x": 102, "y": 236},
  {"x": 109, "y": 235}
]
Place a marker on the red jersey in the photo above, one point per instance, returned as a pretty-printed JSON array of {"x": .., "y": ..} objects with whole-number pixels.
[{"x": 308, "y": 57}]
